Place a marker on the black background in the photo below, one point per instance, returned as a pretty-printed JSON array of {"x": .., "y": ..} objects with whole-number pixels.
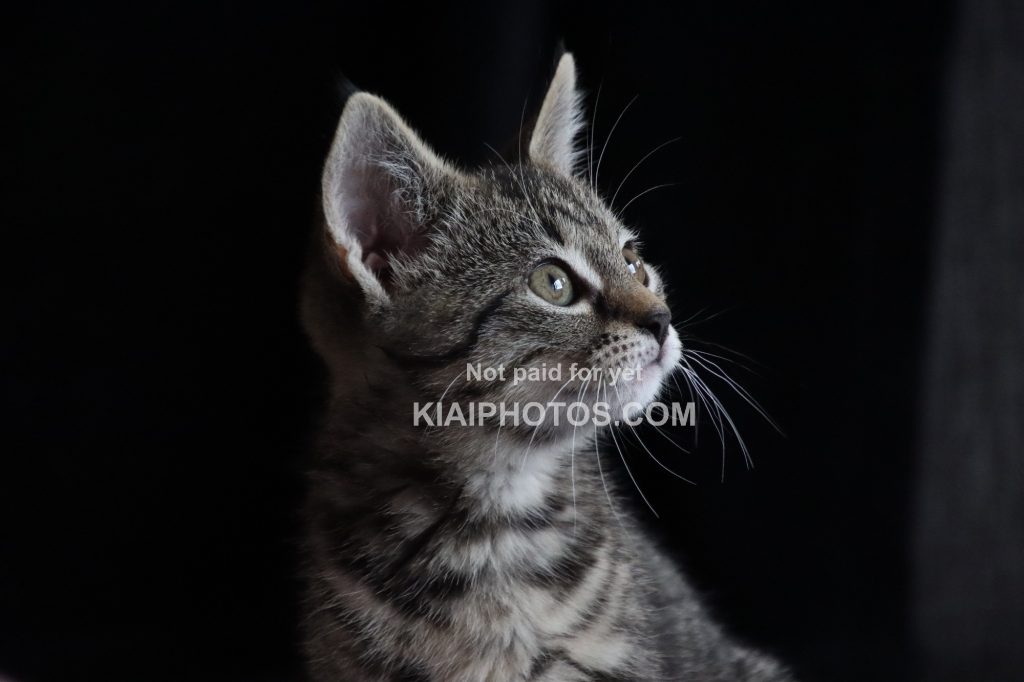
[{"x": 159, "y": 396}]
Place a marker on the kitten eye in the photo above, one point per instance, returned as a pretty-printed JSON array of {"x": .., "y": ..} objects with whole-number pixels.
[
  {"x": 552, "y": 283},
  {"x": 634, "y": 264}
]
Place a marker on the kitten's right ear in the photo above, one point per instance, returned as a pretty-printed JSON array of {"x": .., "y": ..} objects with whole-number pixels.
[{"x": 375, "y": 185}]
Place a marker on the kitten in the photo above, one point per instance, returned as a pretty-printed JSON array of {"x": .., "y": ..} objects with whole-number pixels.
[{"x": 489, "y": 552}]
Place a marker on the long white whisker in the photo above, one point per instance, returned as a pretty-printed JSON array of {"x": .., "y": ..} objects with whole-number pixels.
[
  {"x": 529, "y": 445},
  {"x": 689, "y": 322},
  {"x": 661, "y": 432},
  {"x": 689, "y": 389},
  {"x": 726, "y": 349},
  {"x": 522, "y": 118},
  {"x": 600, "y": 470},
  {"x": 592, "y": 134},
  {"x": 461, "y": 373},
  {"x": 703, "y": 394},
  {"x": 725, "y": 414},
  {"x": 644, "y": 445},
  {"x": 679, "y": 325},
  {"x": 622, "y": 210},
  {"x": 440, "y": 401},
  {"x": 597, "y": 172},
  {"x": 611, "y": 430},
  {"x": 723, "y": 358},
  {"x": 717, "y": 371},
  {"x": 496, "y": 437},
  {"x": 519, "y": 180},
  {"x": 572, "y": 457},
  {"x": 637, "y": 165}
]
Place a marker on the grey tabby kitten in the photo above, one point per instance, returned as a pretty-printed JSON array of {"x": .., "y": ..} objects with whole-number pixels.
[{"x": 494, "y": 552}]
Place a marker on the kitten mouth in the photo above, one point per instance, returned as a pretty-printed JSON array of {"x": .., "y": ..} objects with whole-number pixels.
[
  {"x": 657, "y": 360},
  {"x": 664, "y": 360}
]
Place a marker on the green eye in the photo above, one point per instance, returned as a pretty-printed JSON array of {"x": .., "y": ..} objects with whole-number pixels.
[
  {"x": 634, "y": 264},
  {"x": 552, "y": 283}
]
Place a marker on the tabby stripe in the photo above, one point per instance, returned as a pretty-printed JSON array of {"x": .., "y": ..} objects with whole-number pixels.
[
  {"x": 528, "y": 520},
  {"x": 414, "y": 596},
  {"x": 398, "y": 583},
  {"x": 601, "y": 307},
  {"x": 600, "y": 675},
  {"x": 571, "y": 216},
  {"x": 410, "y": 673},
  {"x": 551, "y": 232},
  {"x": 524, "y": 185},
  {"x": 459, "y": 351},
  {"x": 363, "y": 643},
  {"x": 541, "y": 663},
  {"x": 424, "y": 596},
  {"x": 569, "y": 570},
  {"x": 417, "y": 544}
]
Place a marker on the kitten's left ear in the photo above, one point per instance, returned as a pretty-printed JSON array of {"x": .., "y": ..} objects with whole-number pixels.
[{"x": 553, "y": 142}]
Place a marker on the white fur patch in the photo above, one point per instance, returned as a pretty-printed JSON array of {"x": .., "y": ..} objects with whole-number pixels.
[{"x": 519, "y": 481}]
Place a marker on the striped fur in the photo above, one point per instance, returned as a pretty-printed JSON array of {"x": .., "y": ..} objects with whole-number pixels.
[{"x": 464, "y": 554}]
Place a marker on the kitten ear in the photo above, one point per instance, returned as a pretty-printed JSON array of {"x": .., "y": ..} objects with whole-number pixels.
[
  {"x": 559, "y": 121},
  {"x": 374, "y": 186}
]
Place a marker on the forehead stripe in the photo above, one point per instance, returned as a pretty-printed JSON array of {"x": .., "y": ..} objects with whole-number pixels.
[
  {"x": 577, "y": 214},
  {"x": 550, "y": 230}
]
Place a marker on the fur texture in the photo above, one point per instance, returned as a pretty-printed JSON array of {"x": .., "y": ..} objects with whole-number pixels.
[{"x": 462, "y": 554}]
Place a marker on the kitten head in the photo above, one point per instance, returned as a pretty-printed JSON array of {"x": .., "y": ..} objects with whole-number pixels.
[{"x": 427, "y": 268}]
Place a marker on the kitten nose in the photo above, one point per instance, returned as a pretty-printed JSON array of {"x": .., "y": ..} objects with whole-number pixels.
[{"x": 656, "y": 322}]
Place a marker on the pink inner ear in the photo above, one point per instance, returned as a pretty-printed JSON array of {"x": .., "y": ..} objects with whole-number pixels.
[
  {"x": 377, "y": 244},
  {"x": 382, "y": 227},
  {"x": 374, "y": 262},
  {"x": 380, "y": 241}
]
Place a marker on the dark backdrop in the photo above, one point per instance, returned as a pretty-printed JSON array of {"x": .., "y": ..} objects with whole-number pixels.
[{"x": 158, "y": 394}]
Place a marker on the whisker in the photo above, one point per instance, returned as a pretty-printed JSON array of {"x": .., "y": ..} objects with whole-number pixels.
[
  {"x": 461, "y": 373},
  {"x": 724, "y": 413},
  {"x": 611, "y": 430},
  {"x": 522, "y": 118},
  {"x": 661, "y": 432},
  {"x": 622, "y": 210},
  {"x": 597, "y": 173},
  {"x": 717, "y": 371},
  {"x": 644, "y": 446},
  {"x": 683, "y": 323},
  {"x": 723, "y": 358},
  {"x": 703, "y": 394},
  {"x": 592, "y": 135},
  {"x": 600, "y": 469},
  {"x": 496, "y": 437},
  {"x": 689, "y": 390},
  {"x": 440, "y": 401},
  {"x": 637, "y": 165},
  {"x": 572, "y": 457},
  {"x": 683, "y": 327},
  {"x": 529, "y": 446},
  {"x": 519, "y": 180},
  {"x": 726, "y": 349}
]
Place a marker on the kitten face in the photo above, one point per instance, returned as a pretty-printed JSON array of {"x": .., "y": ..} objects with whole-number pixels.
[
  {"x": 475, "y": 294},
  {"x": 513, "y": 267}
]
